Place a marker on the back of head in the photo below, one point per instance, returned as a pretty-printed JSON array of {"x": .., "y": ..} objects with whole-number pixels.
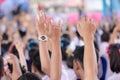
[
  {"x": 31, "y": 44},
  {"x": 29, "y": 76},
  {"x": 1, "y": 66},
  {"x": 70, "y": 61},
  {"x": 35, "y": 60},
  {"x": 79, "y": 55},
  {"x": 105, "y": 37},
  {"x": 114, "y": 54},
  {"x": 65, "y": 41}
]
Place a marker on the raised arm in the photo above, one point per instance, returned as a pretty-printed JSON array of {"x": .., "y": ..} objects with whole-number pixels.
[
  {"x": 20, "y": 47},
  {"x": 52, "y": 31},
  {"x": 114, "y": 34},
  {"x": 56, "y": 59},
  {"x": 43, "y": 49},
  {"x": 87, "y": 29},
  {"x": 16, "y": 68}
]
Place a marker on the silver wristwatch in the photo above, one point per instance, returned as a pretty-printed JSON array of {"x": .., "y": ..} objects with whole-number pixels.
[{"x": 43, "y": 38}]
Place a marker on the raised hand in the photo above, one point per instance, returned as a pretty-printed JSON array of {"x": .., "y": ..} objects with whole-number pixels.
[
  {"x": 41, "y": 21},
  {"x": 16, "y": 68},
  {"x": 114, "y": 34},
  {"x": 117, "y": 28},
  {"x": 54, "y": 35},
  {"x": 86, "y": 28},
  {"x": 54, "y": 30},
  {"x": 19, "y": 45}
]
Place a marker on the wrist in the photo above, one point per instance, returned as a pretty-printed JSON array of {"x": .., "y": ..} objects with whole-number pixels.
[
  {"x": 88, "y": 39},
  {"x": 43, "y": 38},
  {"x": 56, "y": 40},
  {"x": 115, "y": 33}
]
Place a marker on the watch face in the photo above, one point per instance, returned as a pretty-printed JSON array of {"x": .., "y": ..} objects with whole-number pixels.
[{"x": 43, "y": 37}]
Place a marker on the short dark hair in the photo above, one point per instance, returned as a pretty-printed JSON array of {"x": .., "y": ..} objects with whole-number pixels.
[
  {"x": 65, "y": 41},
  {"x": 70, "y": 61},
  {"x": 1, "y": 66},
  {"x": 32, "y": 44},
  {"x": 35, "y": 59},
  {"x": 115, "y": 57},
  {"x": 79, "y": 55},
  {"x": 15, "y": 51},
  {"x": 29, "y": 76},
  {"x": 105, "y": 37}
]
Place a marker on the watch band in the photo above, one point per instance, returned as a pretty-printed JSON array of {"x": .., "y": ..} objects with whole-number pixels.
[{"x": 43, "y": 38}]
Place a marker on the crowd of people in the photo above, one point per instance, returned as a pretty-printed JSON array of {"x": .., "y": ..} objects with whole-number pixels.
[{"x": 45, "y": 49}]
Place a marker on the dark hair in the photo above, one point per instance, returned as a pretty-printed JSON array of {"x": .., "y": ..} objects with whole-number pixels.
[
  {"x": 64, "y": 54},
  {"x": 32, "y": 44},
  {"x": 65, "y": 41},
  {"x": 35, "y": 59},
  {"x": 5, "y": 47},
  {"x": 22, "y": 33},
  {"x": 70, "y": 61},
  {"x": 79, "y": 55},
  {"x": 1, "y": 66},
  {"x": 15, "y": 51},
  {"x": 4, "y": 36},
  {"x": 105, "y": 37},
  {"x": 29, "y": 76},
  {"x": 115, "y": 57}
]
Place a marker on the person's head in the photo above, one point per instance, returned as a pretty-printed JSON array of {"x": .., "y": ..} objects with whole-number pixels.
[
  {"x": 5, "y": 47},
  {"x": 15, "y": 14},
  {"x": 32, "y": 44},
  {"x": 78, "y": 61},
  {"x": 114, "y": 55},
  {"x": 29, "y": 76},
  {"x": 1, "y": 67},
  {"x": 65, "y": 41},
  {"x": 35, "y": 62},
  {"x": 15, "y": 51},
  {"x": 105, "y": 37},
  {"x": 70, "y": 61}
]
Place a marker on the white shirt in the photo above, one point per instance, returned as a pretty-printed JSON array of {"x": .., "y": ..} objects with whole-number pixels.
[
  {"x": 103, "y": 48},
  {"x": 45, "y": 78},
  {"x": 70, "y": 74},
  {"x": 115, "y": 76},
  {"x": 75, "y": 42},
  {"x": 3, "y": 28},
  {"x": 64, "y": 75}
]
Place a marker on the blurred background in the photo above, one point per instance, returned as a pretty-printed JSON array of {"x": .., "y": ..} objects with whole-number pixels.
[
  {"x": 18, "y": 17},
  {"x": 96, "y": 9}
]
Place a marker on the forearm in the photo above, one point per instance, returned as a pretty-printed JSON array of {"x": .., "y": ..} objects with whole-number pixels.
[
  {"x": 16, "y": 70},
  {"x": 44, "y": 56},
  {"x": 71, "y": 33},
  {"x": 22, "y": 59},
  {"x": 56, "y": 62},
  {"x": 112, "y": 38},
  {"x": 90, "y": 61}
]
